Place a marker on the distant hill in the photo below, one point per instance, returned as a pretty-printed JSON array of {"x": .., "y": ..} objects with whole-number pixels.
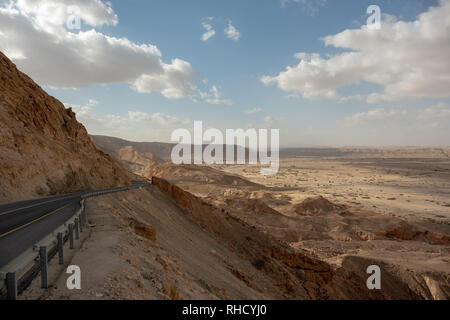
[
  {"x": 138, "y": 158},
  {"x": 368, "y": 152},
  {"x": 163, "y": 150},
  {"x": 112, "y": 145},
  {"x": 155, "y": 150},
  {"x": 149, "y": 159}
]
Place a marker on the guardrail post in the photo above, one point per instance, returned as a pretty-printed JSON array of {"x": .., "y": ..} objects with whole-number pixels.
[
  {"x": 77, "y": 231},
  {"x": 60, "y": 248},
  {"x": 71, "y": 236},
  {"x": 83, "y": 214},
  {"x": 11, "y": 286},
  {"x": 43, "y": 263},
  {"x": 81, "y": 222}
]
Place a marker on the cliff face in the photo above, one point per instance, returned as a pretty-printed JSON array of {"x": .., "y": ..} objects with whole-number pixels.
[
  {"x": 131, "y": 155},
  {"x": 293, "y": 272},
  {"x": 155, "y": 150},
  {"x": 44, "y": 150}
]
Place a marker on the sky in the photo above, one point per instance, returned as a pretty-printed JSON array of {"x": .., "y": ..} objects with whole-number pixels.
[{"x": 314, "y": 69}]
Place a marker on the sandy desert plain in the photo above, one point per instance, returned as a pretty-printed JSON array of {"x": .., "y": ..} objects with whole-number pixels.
[
  {"x": 387, "y": 206},
  {"x": 404, "y": 187}
]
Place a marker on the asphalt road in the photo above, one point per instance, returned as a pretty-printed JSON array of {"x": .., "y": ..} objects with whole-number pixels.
[{"x": 23, "y": 224}]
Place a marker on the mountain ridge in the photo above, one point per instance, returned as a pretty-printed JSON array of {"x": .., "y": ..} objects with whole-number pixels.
[{"x": 44, "y": 150}]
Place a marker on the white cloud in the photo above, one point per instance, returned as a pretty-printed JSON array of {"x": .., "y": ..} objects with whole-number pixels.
[
  {"x": 210, "y": 32},
  {"x": 429, "y": 126},
  {"x": 430, "y": 116},
  {"x": 213, "y": 96},
  {"x": 160, "y": 118},
  {"x": 439, "y": 111},
  {"x": 231, "y": 32},
  {"x": 87, "y": 116},
  {"x": 408, "y": 59},
  {"x": 356, "y": 97},
  {"x": 378, "y": 114},
  {"x": 174, "y": 82},
  {"x": 53, "y": 13},
  {"x": 94, "y": 122},
  {"x": 271, "y": 121},
  {"x": 310, "y": 6},
  {"x": 83, "y": 110},
  {"x": 252, "y": 111},
  {"x": 35, "y": 37}
]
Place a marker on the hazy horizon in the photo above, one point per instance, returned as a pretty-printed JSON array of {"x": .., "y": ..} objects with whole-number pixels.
[{"x": 293, "y": 147}]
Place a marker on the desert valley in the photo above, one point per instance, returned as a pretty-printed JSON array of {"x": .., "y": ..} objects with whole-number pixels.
[
  {"x": 225, "y": 231},
  {"x": 348, "y": 207}
]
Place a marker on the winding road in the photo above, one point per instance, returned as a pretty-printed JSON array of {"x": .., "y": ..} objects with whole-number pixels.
[{"x": 22, "y": 224}]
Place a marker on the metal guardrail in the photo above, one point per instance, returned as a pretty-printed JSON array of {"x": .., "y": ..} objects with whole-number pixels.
[{"x": 16, "y": 276}]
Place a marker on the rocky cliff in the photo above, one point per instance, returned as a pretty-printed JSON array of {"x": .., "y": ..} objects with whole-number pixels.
[
  {"x": 294, "y": 272},
  {"x": 44, "y": 150},
  {"x": 133, "y": 156}
]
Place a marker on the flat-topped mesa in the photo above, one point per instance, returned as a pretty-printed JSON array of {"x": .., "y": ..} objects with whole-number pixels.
[{"x": 44, "y": 150}]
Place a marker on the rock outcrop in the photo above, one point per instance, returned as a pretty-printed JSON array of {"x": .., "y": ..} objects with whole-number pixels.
[
  {"x": 296, "y": 273},
  {"x": 44, "y": 150}
]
